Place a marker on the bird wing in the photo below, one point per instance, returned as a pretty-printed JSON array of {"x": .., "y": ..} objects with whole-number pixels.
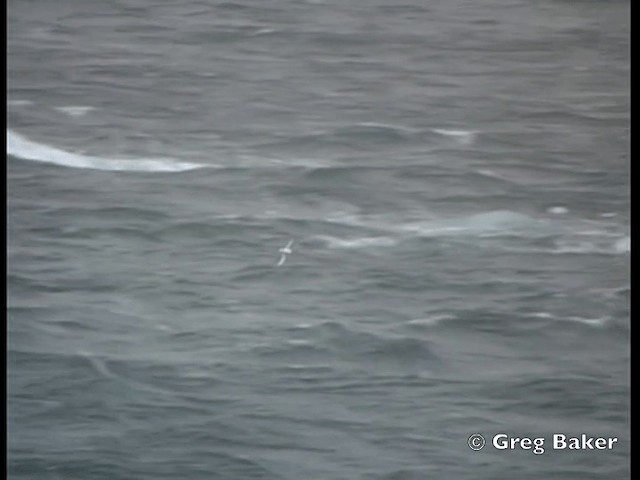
[
  {"x": 289, "y": 244},
  {"x": 282, "y": 259}
]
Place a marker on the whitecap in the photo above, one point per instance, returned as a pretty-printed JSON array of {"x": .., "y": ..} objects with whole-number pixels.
[
  {"x": 99, "y": 365},
  {"x": 432, "y": 320},
  {"x": 75, "y": 111},
  {"x": 363, "y": 242},
  {"x": 387, "y": 126},
  {"x": 575, "y": 247},
  {"x": 462, "y": 136},
  {"x": 304, "y": 325},
  {"x": 487, "y": 224},
  {"x": 612, "y": 293},
  {"x": 623, "y": 245},
  {"x": 20, "y": 146},
  {"x": 486, "y": 172},
  {"x": 593, "y": 322},
  {"x": 262, "y": 31},
  {"x": 429, "y": 230},
  {"x": 541, "y": 315},
  {"x": 19, "y": 103},
  {"x": 558, "y": 210}
]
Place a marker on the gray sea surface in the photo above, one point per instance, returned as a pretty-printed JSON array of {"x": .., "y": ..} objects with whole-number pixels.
[{"x": 454, "y": 175}]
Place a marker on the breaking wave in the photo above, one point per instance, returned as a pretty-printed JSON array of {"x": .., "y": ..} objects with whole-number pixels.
[{"x": 21, "y": 147}]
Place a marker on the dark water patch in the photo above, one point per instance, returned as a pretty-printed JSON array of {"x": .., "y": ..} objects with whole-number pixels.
[
  {"x": 353, "y": 137},
  {"x": 565, "y": 398},
  {"x": 333, "y": 342},
  {"x": 81, "y": 283},
  {"x": 219, "y": 230}
]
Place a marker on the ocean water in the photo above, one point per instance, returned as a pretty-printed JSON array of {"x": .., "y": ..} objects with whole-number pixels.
[{"x": 455, "y": 179}]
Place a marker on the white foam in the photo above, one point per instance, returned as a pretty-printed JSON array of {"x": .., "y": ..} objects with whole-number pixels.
[
  {"x": 262, "y": 31},
  {"x": 363, "y": 242},
  {"x": 430, "y": 321},
  {"x": 593, "y": 322},
  {"x": 20, "y": 146},
  {"x": 620, "y": 246},
  {"x": 19, "y": 103},
  {"x": 596, "y": 233},
  {"x": 99, "y": 365},
  {"x": 463, "y": 136},
  {"x": 387, "y": 126},
  {"x": 541, "y": 315},
  {"x": 488, "y": 224},
  {"x": 610, "y": 293},
  {"x": 623, "y": 245},
  {"x": 304, "y": 325},
  {"x": 490, "y": 173},
  {"x": 75, "y": 111},
  {"x": 299, "y": 162},
  {"x": 559, "y": 210},
  {"x": 573, "y": 247},
  {"x": 428, "y": 230}
]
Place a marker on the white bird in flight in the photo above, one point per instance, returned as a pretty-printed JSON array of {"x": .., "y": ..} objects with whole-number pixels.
[{"x": 284, "y": 251}]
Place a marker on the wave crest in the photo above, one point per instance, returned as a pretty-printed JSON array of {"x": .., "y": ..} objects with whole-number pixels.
[
  {"x": 355, "y": 243},
  {"x": 21, "y": 147}
]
